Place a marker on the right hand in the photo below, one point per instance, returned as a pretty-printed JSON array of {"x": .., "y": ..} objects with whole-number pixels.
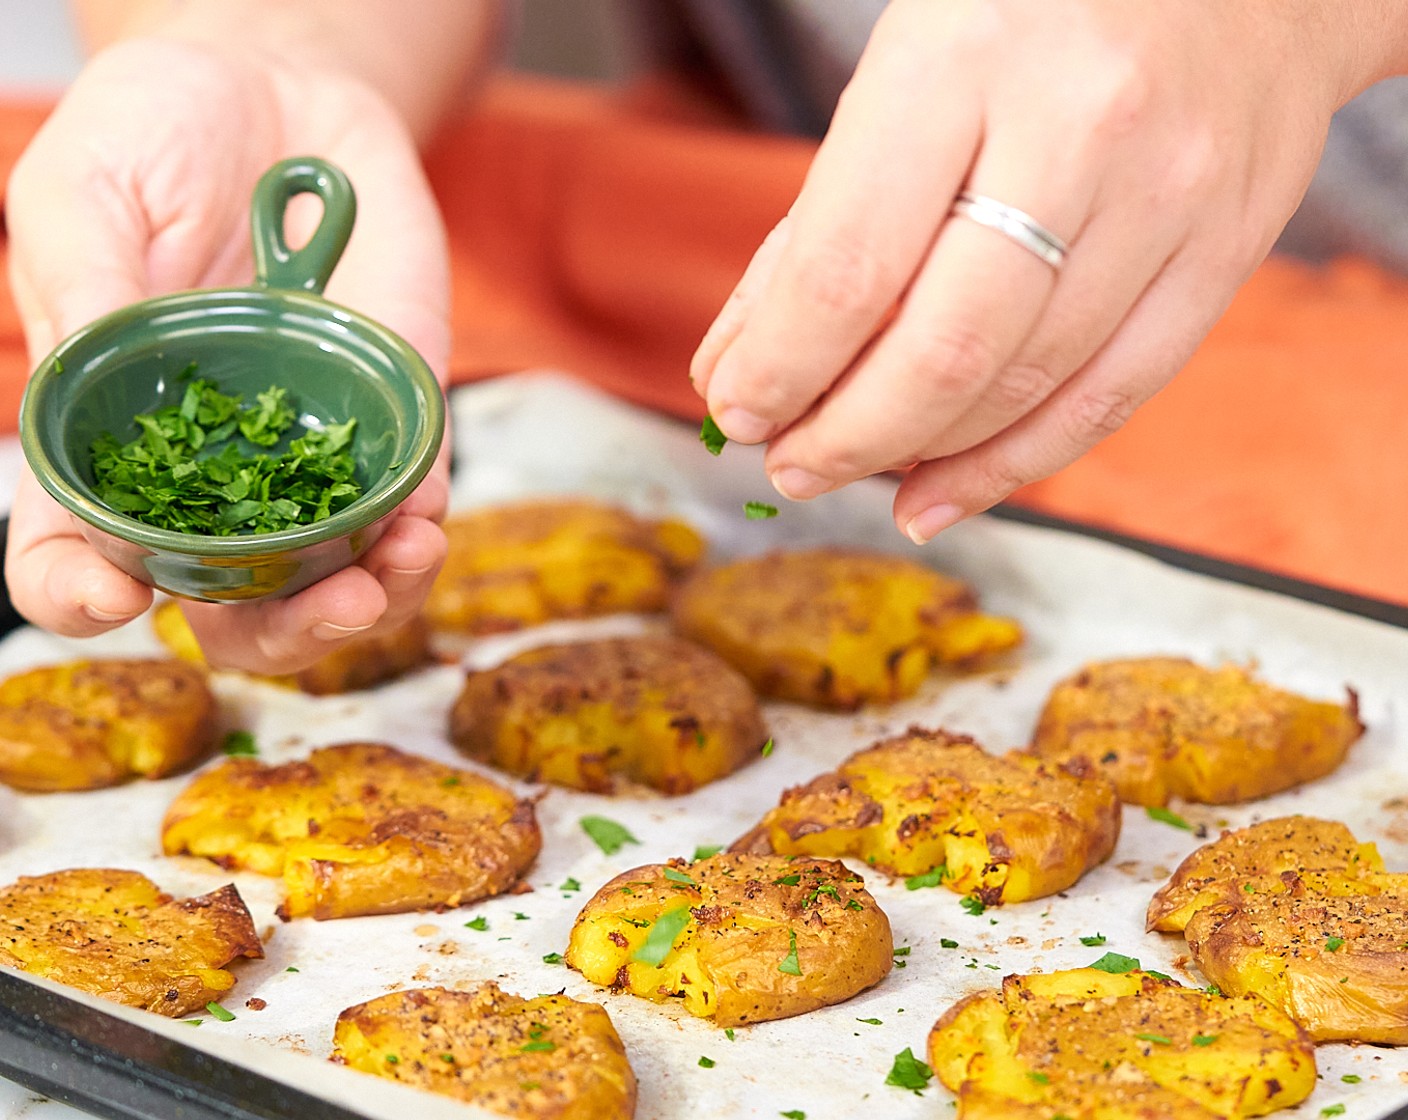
[{"x": 139, "y": 184}]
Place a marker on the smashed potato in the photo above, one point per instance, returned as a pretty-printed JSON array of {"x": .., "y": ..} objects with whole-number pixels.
[
  {"x": 549, "y": 1058},
  {"x": 737, "y": 938},
  {"x": 530, "y": 562},
  {"x": 838, "y": 628},
  {"x": 1164, "y": 727},
  {"x": 659, "y": 711},
  {"x": 361, "y": 663},
  {"x": 90, "y": 724},
  {"x": 1003, "y": 828},
  {"x": 1299, "y": 912},
  {"x": 117, "y": 935},
  {"x": 357, "y": 828},
  {"x": 1091, "y": 1045}
]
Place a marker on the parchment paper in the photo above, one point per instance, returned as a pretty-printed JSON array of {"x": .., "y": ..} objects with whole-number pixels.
[{"x": 1079, "y": 600}]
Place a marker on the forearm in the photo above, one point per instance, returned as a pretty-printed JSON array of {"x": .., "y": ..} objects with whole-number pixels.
[{"x": 420, "y": 56}]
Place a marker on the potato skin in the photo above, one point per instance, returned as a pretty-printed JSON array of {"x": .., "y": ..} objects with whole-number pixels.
[
  {"x": 361, "y": 663},
  {"x": 358, "y": 828},
  {"x": 837, "y": 628},
  {"x": 1299, "y": 912},
  {"x": 656, "y": 710},
  {"x": 91, "y": 724},
  {"x": 746, "y": 915},
  {"x": 1164, "y": 727},
  {"x": 526, "y": 563},
  {"x": 1007, "y": 828},
  {"x": 117, "y": 935},
  {"x": 1067, "y": 1043},
  {"x": 470, "y": 1046}
]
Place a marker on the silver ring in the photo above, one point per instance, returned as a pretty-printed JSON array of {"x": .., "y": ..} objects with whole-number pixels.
[{"x": 1016, "y": 224}]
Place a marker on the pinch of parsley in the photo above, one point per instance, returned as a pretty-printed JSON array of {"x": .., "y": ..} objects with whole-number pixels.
[
  {"x": 973, "y": 904},
  {"x": 711, "y": 436},
  {"x": 908, "y": 1072}
]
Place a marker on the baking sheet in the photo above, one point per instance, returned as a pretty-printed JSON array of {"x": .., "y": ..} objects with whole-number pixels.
[{"x": 1079, "y": 600}]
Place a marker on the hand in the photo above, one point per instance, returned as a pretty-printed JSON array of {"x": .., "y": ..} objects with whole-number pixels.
[
  {"x": 140, "y": 184},
  {"x": 1166, "y": 143}
]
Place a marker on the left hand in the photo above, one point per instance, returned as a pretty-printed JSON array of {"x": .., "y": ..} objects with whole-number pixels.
[{"x": 1167, "y": 144}]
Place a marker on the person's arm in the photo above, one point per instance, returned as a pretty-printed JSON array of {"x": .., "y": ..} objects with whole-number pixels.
[
  {"x": 1166, "y": 143},
  {"x": 139, "y": 184}
]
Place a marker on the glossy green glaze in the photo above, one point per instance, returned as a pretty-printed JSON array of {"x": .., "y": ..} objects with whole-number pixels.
[{"x": 335, "y": 363}]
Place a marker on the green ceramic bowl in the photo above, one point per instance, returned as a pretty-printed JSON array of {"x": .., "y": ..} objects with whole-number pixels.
[{"x": 335, "y": 363}]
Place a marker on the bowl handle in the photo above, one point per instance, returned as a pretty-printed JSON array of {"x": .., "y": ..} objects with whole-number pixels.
[{"x": 308, "y": 268}]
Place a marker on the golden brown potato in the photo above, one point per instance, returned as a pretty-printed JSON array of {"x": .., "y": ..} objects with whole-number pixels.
[
  {"x": 117, "y": 935},
  {"x": 1298, "y": 912},
  {"x": 655, "y": 710},
  {"x": 739, "y": 938},
  {"x": 1163, "y": 727},
  {"x": 549, "y": 1058},
  {"x": 838, "y": 628},
  {"x": 530, "y": 562},
  {"x": 1004, "y": 828},
  {"x": 358, "y": 828},
  {"x": 361, "y": 663},
  {"x": 1091, "y": 1045},
  {"x": 89, "y": 724}
]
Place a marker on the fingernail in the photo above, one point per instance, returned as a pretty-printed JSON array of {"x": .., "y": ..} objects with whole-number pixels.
[
  {"x": 742, "y": 426},
  {"x": 797, "y": 484},
  {"x": 927, "y": 524},
  {"x": 103, "y": 616},
  {"x": 330, "y": 632}
]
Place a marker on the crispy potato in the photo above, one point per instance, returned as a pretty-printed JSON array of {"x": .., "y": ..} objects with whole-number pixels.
[
  {"x": 358, "y": 828},
  {"x": 659, "y": 711},
  {"x": 530, "y": 562},
  {"x": 1163, "y": 727},
  {"x": 549, "y": 1058},
  {"x": 1005, "y": 828},
  {"x": 1091, "y": 1045},
  {"x": 1300, "y": 913},
  {"x": 838, "y": 628},
  {"x": 89, "y": 724},
  {"x": 738, "y": 938},
  {"x": 361, "y": 663},
  {"x": 117, "y": 935}
]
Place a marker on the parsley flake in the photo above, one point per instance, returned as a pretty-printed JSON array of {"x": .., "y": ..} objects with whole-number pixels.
[
  {"x": 1332, "y": 1110},
  {"x": 789, "y": 963},
  {"x": 1098, "y": 939},
  {"x": 931, "y": 878},
  {"x": 238, "y": 743},
  {"x": 679, "y": 877},
  {"x": 1158, "y": 1039},
  {"x": 607, "y": 834},
  {"x": 948, "y": 943},
  {"x": 661, "y": 938},
  {"x": 758, "y": 511},
  {"x": 480, "y": 923},
  {"x": 1167, "y": 816},
  {"x": 1334, "y": 944},
  {"x": 552, "y": 958},
  {"x": 794, "y": 1114},
  {"x": 706, "y": 1063},
  {"x": 1115, "y": 963},
  {"x": 219, "y": 1012},
  {"x": 1351, "y": 1079},
  {"x": 767, "y": 748},
  {"x": 973, "y": 904},
  {"x": 570, "y": 884},
  {"x": 711, "y": 436},
  {"x": 787, "y": 881},
  {"x": 1205, "y": 1039},
  {"x": 872, "y": 1022},
  {"x": 1038, "y": 1077},
  {"x": 908, "y": 1072},
  {"x": 728, "y": 1033},
  {"x": 704, "y": 851},
  {"x": 542, "y": 1045}
]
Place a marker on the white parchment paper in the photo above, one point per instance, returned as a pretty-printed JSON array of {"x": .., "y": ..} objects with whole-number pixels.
[{"x": 1079, "y": 600}]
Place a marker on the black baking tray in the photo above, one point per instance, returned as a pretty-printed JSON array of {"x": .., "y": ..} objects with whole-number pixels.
[{"x": 104, "y": 1065}]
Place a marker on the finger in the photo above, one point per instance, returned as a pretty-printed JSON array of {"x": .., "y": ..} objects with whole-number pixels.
[
  {"x": 879, "y": 187},
  {"x": 731, "y": 318},
  {"x": 285, "y": 635},
  {"x": 1152, "y": 344},
  {"x": 56, "y": 579},
  {"x": 405, "y": 561}
]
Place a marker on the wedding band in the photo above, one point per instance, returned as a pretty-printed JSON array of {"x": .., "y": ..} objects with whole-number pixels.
[{"x": 1016, "y": 224}]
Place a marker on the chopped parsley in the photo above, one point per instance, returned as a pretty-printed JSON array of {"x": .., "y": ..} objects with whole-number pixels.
[
  {"x": 607, "y": 834},
  {"x": 661, "y": 938},
  {"x": 480, "y": 923},
  {"x": 239, "y": 743},
  {"x": 789, "y": 964},
  {"x": 1332, "y": 1110},
  {"x": 706, "y": 1063},
  {"x": 908, "y": 1072},
  {"x": 1351, "y": 1079},
  {"x": 758, "y": 511},
  {"x": 679, "y": 877},
  {"x": 704, "y": 851},
  {"x": 392, "y": 1059},
  {"x": 948, "y": 943},
  {"x": 872, "y": 1022},
  {"x": 931, "y": 878},
  {"x": 290, "y": 968},
  {"x": 187, "y": 471},
  {"x": 728, "y": 1033},
  {"x": 767, "y": 748},
  {"x": 1038, "y": 1077},
  {"x": 1115, "y": 962},
  {"x": 1097, "y": 939},
  {"x": 787, "y": 881},
  {"x": 519, "y": 916},
  {"x": 1205, "y": 1039},
  {"x": 1158, "y": 1039},
  {"x": 570, "y": 884},
  {"x": 450, "y": 782},
  {"x": 543, "y": 1045},
  {"x": 1334, "y": 944},
  {"x": 219, "y": 1012},
  {"x": 1167, "y": 816},
  {"x": 711, "y": 437},
  {"x": 973, "y": 904},
  {"x": 552, "y": 958},
  {"x": 794, "y": 1114}
]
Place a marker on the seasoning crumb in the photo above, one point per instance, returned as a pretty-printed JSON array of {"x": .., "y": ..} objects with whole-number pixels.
[{"x": 254, "y": 1003}]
